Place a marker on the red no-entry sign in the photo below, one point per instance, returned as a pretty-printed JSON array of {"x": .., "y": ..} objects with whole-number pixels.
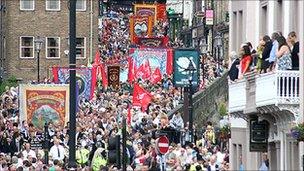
[{"x": 162, "y": 145}]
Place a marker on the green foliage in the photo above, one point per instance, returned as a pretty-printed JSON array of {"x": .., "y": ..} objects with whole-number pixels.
[
  {"x": 10, "y": 82},
  {"x": 225, "y": 132},
  {"x": 222, "y": 109},
  {"x": 298, "y": 132}
]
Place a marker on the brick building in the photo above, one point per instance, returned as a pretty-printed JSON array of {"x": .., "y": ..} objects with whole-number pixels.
[{"x": 24, "y": 20}]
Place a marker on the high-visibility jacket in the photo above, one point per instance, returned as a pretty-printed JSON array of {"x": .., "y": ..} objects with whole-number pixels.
[
  {"x": 82, "y": 156},
  {"x": 97, "y": 162}
]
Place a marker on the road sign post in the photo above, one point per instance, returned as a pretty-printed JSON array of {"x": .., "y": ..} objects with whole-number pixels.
[{"x": 162, "y": 147}]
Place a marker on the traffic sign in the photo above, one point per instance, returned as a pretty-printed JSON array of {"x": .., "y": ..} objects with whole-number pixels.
[{"x": 162, "y": 145}]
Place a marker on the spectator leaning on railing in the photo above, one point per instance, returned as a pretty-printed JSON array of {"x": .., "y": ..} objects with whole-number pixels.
[{"x": 271, "y": 55}]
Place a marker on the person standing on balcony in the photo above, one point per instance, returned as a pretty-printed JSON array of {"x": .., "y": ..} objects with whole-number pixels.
[
  {"x": 266, "y": 53},
  {"x": 260, "y": 50},
  {"x": 283, "y": 54},
  {"x": 233, "y": 72},
  {"x": 294, "y": 46},
  {"x": 272, "y": 56},
  {"x": 246, "y": 59}
]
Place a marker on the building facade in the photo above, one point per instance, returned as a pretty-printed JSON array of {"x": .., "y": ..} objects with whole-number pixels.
[
  {"x": 25, "y": 20},
  {"x": 263, "y": 97},
  {"x": 221, "y": 27}
]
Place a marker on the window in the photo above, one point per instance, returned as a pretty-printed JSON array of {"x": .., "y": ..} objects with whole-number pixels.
[
  {"x": 52, "y": 5},
  {"x": 27, "y": 47},
  {"x": 80, "y": 47},
  {"x": 52, "y": 47},
  {"x": 27, "y": 5},
  {"x": 80, "y": 5}
]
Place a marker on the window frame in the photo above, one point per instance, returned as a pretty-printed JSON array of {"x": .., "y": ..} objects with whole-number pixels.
[
  {"x": 85, "y": 6},
  {"x": 23, "y": 9},
  {"x": 47, "y": 47},
  {"x": 84, "y": 47},
  {"x": 20, "y": 47},
  {"x": 48, "y": 9}
]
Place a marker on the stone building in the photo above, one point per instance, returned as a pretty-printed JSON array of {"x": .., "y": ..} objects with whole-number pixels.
[
  {"x": 266, "y": 98},
  {"x": 24, "y": 20},
  {"x": 221, "y": 26}
]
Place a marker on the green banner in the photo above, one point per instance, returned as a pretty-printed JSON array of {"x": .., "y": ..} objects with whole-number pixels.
[{"x": 182, "y": 59}]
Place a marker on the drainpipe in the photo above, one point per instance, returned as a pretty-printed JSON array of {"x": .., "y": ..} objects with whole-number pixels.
[{"x": 91, "y": 34}]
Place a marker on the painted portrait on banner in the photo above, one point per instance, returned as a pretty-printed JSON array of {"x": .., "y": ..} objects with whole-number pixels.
[
  {"x": 83, "y": 78},
  {"x": 44, "y": 103}
]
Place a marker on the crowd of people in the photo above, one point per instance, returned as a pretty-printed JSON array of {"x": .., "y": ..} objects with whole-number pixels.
[
  {"x": 114, "y": 38},
  {"x": 101, "y": 117},
  {"x": 272, "y": 53},
  {"x": 210, "y": 70}
]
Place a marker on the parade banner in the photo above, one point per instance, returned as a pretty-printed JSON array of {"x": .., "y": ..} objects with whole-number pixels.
[
  {"x": 113, "y": 76},
  {"x": 140, "y": 26},
  {"x": 146, "y": 10},
  {"x": 182, "y": 59},
  {"x": 44, "y": 103},
  {"x": 84, "y": 77},
  {"x": 152, "y": 42},
  {"x": 161, "y": 12},
  {"x": 158, "y": 58}
]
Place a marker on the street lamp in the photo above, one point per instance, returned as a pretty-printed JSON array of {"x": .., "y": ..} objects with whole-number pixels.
[
  {"x": 204, "y": 49},
  {"x": 38, "y": 45},
  {"x": 218, "y": 42},
  {"x": 190, "y": 71}
]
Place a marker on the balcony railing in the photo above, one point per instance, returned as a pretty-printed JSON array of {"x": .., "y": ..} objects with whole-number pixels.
[{"x": 280, "y": 87}]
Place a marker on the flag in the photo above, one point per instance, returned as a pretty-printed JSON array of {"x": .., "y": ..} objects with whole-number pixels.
[
  {"x": 97, "y": 57},
  {"x": 141, "y": 97},
  {"x": 156, "y": 76},
  {"x": 94, "y": 81},
  {"x": 104, "y": 75},
  {"x": 131, "y": 69},
  {"x": 169, "y": 68},
  {"x": 55, "y": 74},
  {"x": 140, "y": 72},
  {"x": 147, "y": 70},
  {"x": 129, "y": 116}
]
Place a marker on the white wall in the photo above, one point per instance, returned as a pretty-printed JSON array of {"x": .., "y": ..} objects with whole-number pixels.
[
  {"x": 286, "y": 18},
  {"x": 251, "y": 23}
]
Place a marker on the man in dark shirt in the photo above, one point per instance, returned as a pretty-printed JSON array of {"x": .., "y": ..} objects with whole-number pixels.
[
  {"x": 266, "y": 53},
  {"x": 294, "y": 45},
  {"x": 295, "y": 56}
]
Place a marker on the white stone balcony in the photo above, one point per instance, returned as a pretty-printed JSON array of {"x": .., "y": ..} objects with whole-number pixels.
[{"x": 271, "y": 92}]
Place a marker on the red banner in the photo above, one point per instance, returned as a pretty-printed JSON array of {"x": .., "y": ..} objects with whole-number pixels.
[
  {"x": 161, "y": 12},
  {"x": 152, "y": 42}
]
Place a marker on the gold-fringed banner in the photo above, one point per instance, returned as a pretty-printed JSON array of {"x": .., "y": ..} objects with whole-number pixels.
[
  {"x": 146, "y": 10},
  {"x": 44, "y": 103},
  {"x": 140, "y": 26},
  {"x": 113, "y": 76}
]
